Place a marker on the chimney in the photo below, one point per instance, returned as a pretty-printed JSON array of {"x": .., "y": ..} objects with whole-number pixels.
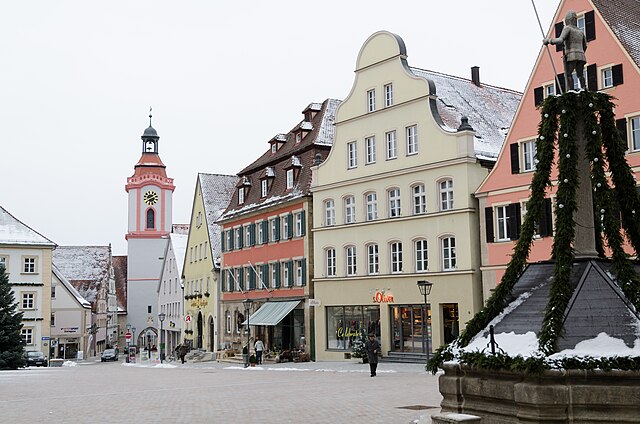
[{"x": 475, "y": 75}]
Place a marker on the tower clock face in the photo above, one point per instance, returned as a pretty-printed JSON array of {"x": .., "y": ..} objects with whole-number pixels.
[{"x": 150, "y": 197}]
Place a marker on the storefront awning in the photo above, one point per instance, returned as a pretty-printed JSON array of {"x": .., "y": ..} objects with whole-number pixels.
[{"x": 271, "y": 313}]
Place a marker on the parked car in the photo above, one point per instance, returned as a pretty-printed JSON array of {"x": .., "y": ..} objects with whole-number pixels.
[
  {"x": 109, "y": 355},
  {"x": 35, "y": 359}
]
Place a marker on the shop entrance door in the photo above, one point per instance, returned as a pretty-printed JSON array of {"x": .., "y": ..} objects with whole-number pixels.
[{"x": 410, "y": 329}]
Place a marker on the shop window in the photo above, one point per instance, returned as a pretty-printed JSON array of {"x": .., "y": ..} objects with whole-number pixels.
[{"x": 345, "y": 324}]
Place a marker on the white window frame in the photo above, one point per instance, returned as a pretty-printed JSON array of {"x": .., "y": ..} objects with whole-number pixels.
[
  {"x": 274, "y": 147},
  {"x": 290, "y": 179},
  {"x": 238, "y": 242},
  {"x": 502, "y": 222},
  {"x": 388, "y": 95},
  {"x": 27, "y": 335},
  {"x": 299, "y": 276},
  {"x": 549, "y": 89},
  {"x": 352, "y": 155},
  {"x": 350, "y": 254},
  {"x": 448, "y": 249},
  {"x": 247, "y": 236},
  {"x": 273, "y": 225},
  {"x": 29, "y": 264},
  {"x": 264, "y": 187},
  {"x": 395, "y": 207},
  {"x": 634, "y": 132},
  {"x": 411, "y": 133},
  {"x": 445, "y": 188},
  {"x": 330, "y": 261},
  {"x": 370, "y": 147},
  {"x": 298, "y": 224},
  {"x": 391, "y": 143},
  {"x": 395, "y": 249},
  {"x": 298, "y": 137},
  {"x": 371, "y": 100},
  {"x": 4, "y": 260},
  {"x": 523, "y": 214},
  {"x": 241, "y": 195},
  {"x": 421, "y": 250},
  {"x": 285, "y": 275},
  {"x": 227, "y": 322},
  {"x": 580, "y": 23},
  {"x": 273, "y": 275},
  {"x": 329, "y": 212},
  {"x": 349, "y": 210},
  {"x": 529, "y": 150},
  {"x": 373, "y": 259},
  {"x": 285, "y": 227},
  {"x": 260, "y": 233},
  {"x": 419, "y": 199},
  {"x": 27, "y": 301},
  {"x": 371, "y": 199},
  {"x": 606, "y": 77}
]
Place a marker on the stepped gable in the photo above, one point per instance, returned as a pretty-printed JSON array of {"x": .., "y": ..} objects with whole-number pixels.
[{"x": 597, "y": 305}]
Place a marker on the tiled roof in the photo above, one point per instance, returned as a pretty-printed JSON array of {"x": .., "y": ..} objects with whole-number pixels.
[
  {"x": 120, "y": 274},
  {"x": 301, "y": 155},
  {"x": 623, "y": 17},
  {"x": 65, "y": 282},
  {"x": 13, "y": 231},
  {"x": 490, "y": 109},
  {"x": 216, "y": 192},
  {"x": 86, "y": 267}
]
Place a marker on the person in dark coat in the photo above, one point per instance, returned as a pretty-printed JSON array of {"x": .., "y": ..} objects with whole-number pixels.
[
  {"x": 183, "y": 351},
  {"x": 372, "y": 347}
]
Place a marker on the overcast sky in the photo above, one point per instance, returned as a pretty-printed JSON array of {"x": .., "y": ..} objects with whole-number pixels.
[{"x": 223, "y": 77}]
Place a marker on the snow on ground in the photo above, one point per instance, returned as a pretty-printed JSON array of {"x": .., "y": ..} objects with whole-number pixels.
[{"x": 69, "y": 364}]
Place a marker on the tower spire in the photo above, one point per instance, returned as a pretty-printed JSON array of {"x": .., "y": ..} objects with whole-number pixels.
[{"x": 150, "y": 115}]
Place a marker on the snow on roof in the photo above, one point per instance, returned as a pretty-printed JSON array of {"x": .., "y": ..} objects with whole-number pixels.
[
  {"x": 623, "y": 17},
  {"x": 490, "y": 109},
  {"x": 179, "y": 245},
  {"x": 13, "y": 231},
  {"x": 86, "y": 267},
  {"x": 69, "y": 286},
  {"x": 326, "y": 132},
  {"x": 306, "y": 125},
  {"x": 216, "y": 193}
]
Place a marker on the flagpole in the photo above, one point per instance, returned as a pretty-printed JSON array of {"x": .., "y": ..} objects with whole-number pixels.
[{"x": 547, "y": 46}]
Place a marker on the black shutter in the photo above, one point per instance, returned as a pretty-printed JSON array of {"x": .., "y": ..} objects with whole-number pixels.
[
  {"x": 240, "y": 237},
  {"x": 304, "y": 272},
  {"x": 277, "y": 224},
  {"x": 621, "y": 124},
  {"x": 232, "y": 237},
  {"x": 590, "y": 26},
  {"x": 222, "y": 241},
  {"x": 223, "y": 274},
  {"x": 488, "y": 216},
  {"x": 559, "y": 27},
  {"x": 252, "y": 234},
  {"x": 252, "y": 279},
  {"x": 545, "y": 221},
  {"x": 538, "y": 96},
  {"x": 303, "y": 223},
  {"x": 278, "y": 274},
  {"x": 265, "y": 231},
  {"x": 515, "y": 158},
  {"x": 513, "y": 223},
  {"x": 562, "y": 82},
  {"x": 241, "y": 279},
  {"x": 616, "y": 72},
  {"x": 592, "y": 77},
  {"x": 290, "y": 226}
]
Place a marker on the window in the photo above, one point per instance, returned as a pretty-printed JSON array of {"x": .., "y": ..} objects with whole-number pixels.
[
  {"x": 373, "y": 264},
  {"x": 576, "y": 81},
  {"x": 529, "y": 155},
  {"x": 396, "y": 257},
  {"x": 28, "y": 300},
  {"x": 247, "y": 235},
  {"x": 53, "y": 319},
  {"x": 372, "y": 206},
  {"x": 285, "y": 275},
  {"x": 580, "y": 23},
  {"x": 536, "y": 229},
  {"x": 329, "y": 212},
  {"x": 419, "y": 200},
  {"x": 27, "y": 335},
  {"x": 239, "y": 240},
  {"x": 412, "y": 140},
  {"x": 285, "y": 227},
  {"x": 227, "y": 320},
  {"x": 607, "y": 77},
  {"x": 422, "y": 261},
  {"x": 351, "y": 260},
  {"x": 4, "y": 262},
  {"x": 149, "y": 309},
  {"x": 502, "y": 222},
  {"x": 388, "y": 95},
  {"x": 264, "y": 188},
  {"x": 241, "y": 195},
  {"x": 275, "y": 275},
  {"x": 549, "y": 90},
  {"x": 370, "y": 146},
  {"x": 298, "y": 137},
  {"x": 290, "y": 180},
  {"x": 330, "y": 255},
  {"x": 53, "y": 292},
  {"x": 392, "y": 145},
  {"x": 352, "y": 154},
  {"x": 300, "y": 273},
  {"x": 274, "y": 147},
  {"x": 635, "y": 133},
  {"x": 275, "y": 227},
  {"x": 260, "y": 232},
  {"x": 371, "y": 100},
  {"x": 349, "y": 210},
  {"x": 394, "y": 202},
  {"x": 29, "y": 264},
  {"x": 446, "y": 195},
  {"x": 448, "y": 253},
  {"x": 151, "y": 219},
  {"x": 346, "y": 323},
  {"x": 300, "y": 224}
]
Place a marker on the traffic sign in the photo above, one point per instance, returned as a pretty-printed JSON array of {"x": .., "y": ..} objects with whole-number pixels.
[
  {"x": 127, "y": 336},
  {"x": 187, "y": 318}
]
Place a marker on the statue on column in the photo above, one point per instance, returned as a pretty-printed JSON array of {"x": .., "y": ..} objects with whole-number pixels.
[{"x": 574, "y": 44}]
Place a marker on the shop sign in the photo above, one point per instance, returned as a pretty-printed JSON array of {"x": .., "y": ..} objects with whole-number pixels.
[
  {"x": 314, "y": 302},
  {"x": 69, "y": 329},
  {"x": 382, "y": 297},
  {"x": 347, "y": 332}
]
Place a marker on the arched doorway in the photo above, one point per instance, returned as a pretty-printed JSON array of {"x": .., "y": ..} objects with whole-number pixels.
[
  {"x": 147, "y": 338},
  {"x": 212, "y": 345},
  {"x": 199, "y": 335}
]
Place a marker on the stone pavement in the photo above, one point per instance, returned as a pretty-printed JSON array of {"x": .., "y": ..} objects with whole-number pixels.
[{"x": 312, "y": 392}]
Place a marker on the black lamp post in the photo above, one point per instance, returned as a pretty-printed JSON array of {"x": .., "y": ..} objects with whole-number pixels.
[
  {"x": 247, "y": 307},
  {"x": 425, "y": 290},
  {"x": 161, "y": 317},
  {"x": 133, "y": 337}
]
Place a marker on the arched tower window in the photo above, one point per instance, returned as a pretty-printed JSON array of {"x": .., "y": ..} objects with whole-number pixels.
[{"x": 151, "y": 219}]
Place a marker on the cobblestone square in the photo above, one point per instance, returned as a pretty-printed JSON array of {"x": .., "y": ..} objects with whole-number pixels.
[{"x": 219, "y": 392}]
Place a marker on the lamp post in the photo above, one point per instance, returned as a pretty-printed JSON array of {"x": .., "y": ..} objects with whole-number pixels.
[
  {"x": 247, "y": 307},
  {"x": 133, "y": 337},
  {"x": 128, "y": 342},
  {"x": 161, "y": 317},
  {"x": 425, "y": 290}
]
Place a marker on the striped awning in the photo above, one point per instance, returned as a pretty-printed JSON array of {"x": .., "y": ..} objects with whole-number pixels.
[{"x": 271, "y": 313}]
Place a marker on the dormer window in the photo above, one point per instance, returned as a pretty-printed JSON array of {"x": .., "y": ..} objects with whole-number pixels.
[
  {"x": 274, "y": 147},
  {"x": 241, "y": 195},
  {"x": 264, "y": 187},
  {"x": 298, "y": 137},
  {"x": 290, "y": 179}
]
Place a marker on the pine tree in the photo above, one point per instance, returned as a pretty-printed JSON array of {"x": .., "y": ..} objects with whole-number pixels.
[
  {"x": 358, "y": 349},
  {"x": 11, "y": 342}
]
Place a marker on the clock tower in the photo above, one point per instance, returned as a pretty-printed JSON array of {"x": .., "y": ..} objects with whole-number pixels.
[{"x": 150, "y": 194}]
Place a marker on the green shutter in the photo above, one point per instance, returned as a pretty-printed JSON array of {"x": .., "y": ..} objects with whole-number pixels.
[
  {"x": 277, "y": 229},
  {"x": 302, "y": 217},
  {"x": 241, "y": 279},
  {"x": 265, "y": 231},
  {"x": 252, "y": 278},
  {"x": 304, "y": 272},
  {"x": 252, "y": 234},
  {"x": 241, "y": 243},
  {"x": 265, "y": 276},
  {"x": 222, "y": 240},
  {"x": 222, "y": 276},
  {"x": 291, "y": 276},
  {"x": 278, "y": 276},
  {"x": 290, "y": 227},
  {"x": 231, "y": 238}
]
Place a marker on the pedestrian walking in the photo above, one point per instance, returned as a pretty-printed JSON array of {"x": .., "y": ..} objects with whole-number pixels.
[
  {"x": 183, "y": 351},
  {"x": 259, "y": 347},
  {"x": 372, "y": 347}
]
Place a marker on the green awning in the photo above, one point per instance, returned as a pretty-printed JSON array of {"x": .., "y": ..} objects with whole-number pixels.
[{"x": 271, "y": 313}]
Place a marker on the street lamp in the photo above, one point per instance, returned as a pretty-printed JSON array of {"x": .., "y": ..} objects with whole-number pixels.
[
  {"x": 425, "y": 290},
  {"x": 247, "y": 307},
  {"x": 133, "y": 337},
  {"x": 128, "y": 342},
  {"x": 161, "y": 317}
]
